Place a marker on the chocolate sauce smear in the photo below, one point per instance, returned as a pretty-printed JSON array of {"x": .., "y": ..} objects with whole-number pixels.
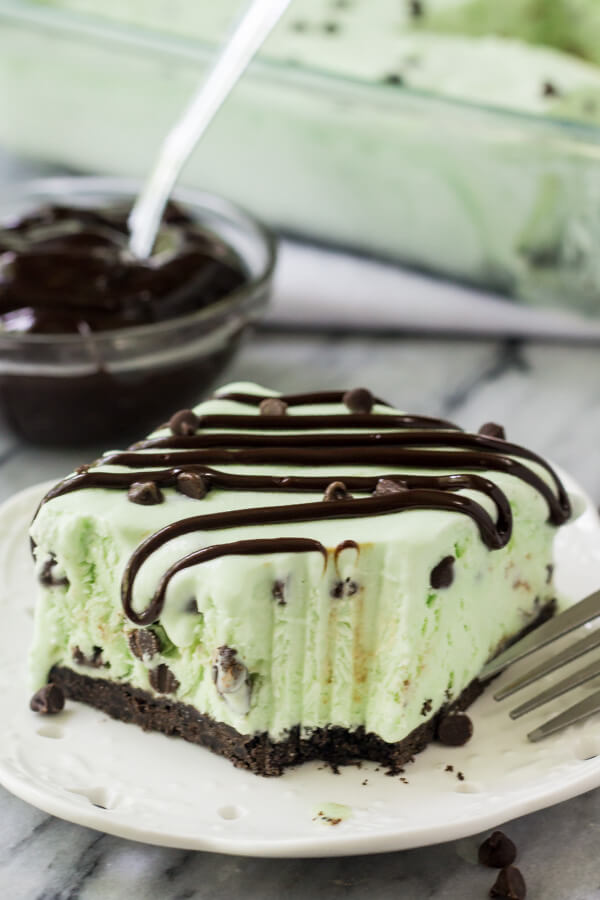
[
  {"x": 423, "y": 443},
  {"x": 67, "y": 270}
]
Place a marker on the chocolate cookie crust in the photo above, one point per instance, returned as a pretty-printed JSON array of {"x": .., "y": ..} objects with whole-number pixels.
[{"x": 258, "y": 753}]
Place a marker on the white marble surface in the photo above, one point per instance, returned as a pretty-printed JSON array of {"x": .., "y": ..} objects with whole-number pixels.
[{"x": 547, "y": 396}]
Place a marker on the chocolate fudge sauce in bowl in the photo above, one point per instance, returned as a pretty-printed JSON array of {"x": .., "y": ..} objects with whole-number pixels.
[{"x": 95, "y": 344}]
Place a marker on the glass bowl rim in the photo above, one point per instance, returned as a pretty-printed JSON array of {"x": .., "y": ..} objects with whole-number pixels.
[{"x": 203, "y": 200}]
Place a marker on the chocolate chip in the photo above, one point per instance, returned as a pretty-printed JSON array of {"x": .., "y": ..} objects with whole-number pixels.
[
  {"x": 192, "y": 485},
  {"x": 278, "y": 592},
  {"x": 345, "y": 588},
  {"x": 415, "y": 8},
  {"x": 427, "y": 707},
  {"x": 497, "y": 851},
  {"x": 454, "y": 730},
  {"x": 162, "y": 680},
  {"x": 509, "y": 884},
  {"x": 48, "y": 700},
  {"x": 337, "y": 491},
  {"x": 94, "y": 661},
  {"x": 359, "y": 400},
  {"x": 331, "y": 27},
  {"x": 388, "y": 486},
  {"x": 393, "y": 78},
  {"x": 549, "y": 89},
  {"x": 273, "y": 406},
  {"x": 146, "y": 493},
  {"x": 47, "y": 579},
  {"x": 191, "y": 606},
  {"x": 549, "y": 573},
  {"x": 493, "y": 430},
  {"x": 184, "y": 422},
  {"x": 442, "y": 575},
  {"x": 144, "y": 643},
  {"x": 231, "y": 679}
]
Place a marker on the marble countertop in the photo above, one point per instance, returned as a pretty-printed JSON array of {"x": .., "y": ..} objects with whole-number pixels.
[{"x": 547, "y": 396}]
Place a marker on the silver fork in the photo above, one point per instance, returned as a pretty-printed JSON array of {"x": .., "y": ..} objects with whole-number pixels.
[{"x": 567, "y": 621}]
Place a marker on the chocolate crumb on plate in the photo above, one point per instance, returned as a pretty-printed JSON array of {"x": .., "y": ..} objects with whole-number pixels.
[
  {"x": 359, "y": 400},
  {"x": 393, "y": 78},
  {"x": 497, "y": 851},
  {"x": 184, "y": 422},
  {"x": 449, "y": 769},
  {"x": 454, "y": 730},
  {"x": 146, "y": 493},
  {"x": 509, "y": 885},
  {"x": 49, "y": 700},
  {"x": 493, "y": 430},
  {"x": 273, "y": 406},
  {"x": 460, "y": 776}
]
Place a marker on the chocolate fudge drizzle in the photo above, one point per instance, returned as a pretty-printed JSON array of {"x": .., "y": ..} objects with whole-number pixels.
[{"x": 424, "y": 443}]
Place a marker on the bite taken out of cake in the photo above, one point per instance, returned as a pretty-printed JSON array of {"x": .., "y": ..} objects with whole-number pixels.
[{"x": 295, "y": 577}]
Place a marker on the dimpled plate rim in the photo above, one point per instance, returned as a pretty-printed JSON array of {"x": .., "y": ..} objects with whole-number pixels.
[{"x": 88, "y": 769}]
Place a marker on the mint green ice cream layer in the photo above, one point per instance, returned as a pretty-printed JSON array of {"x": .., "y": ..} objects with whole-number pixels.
[
  {"x": 485, "y": 51},
  {"x": 361, "y": 641}
]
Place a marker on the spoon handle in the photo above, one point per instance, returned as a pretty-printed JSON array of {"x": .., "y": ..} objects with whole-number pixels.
[{"x": 254, "y": 27}]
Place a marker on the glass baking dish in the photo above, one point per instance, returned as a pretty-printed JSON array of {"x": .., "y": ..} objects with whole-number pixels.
[{"x": 499, "y": 199}]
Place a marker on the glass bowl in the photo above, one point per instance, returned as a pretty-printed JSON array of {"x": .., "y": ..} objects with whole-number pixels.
[{"x": 74, "y": 389}]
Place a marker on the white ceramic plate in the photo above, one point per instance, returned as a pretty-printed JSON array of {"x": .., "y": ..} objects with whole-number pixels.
[{"x": 86, "y": 768}]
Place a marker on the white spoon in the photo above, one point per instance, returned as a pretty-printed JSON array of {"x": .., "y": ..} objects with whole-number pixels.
[{"x": 146, "y": 215}]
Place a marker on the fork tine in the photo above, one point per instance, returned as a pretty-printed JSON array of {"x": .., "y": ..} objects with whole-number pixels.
[
  {"x": 576, "y": 713},
  {"x": 574, "y": 651},
  {"x": 556, "y": 690},
  {"x": 582, "y": 612}
]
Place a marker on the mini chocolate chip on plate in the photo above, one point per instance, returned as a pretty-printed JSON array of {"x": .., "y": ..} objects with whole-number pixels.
[
  {"x": 497, "y": 851},
  {"x": 184, "y": 422},
  {"x": 143, "y": 642},
  {"x": 358, "y": 400},
  {"x": 273, "y": 406},
  {"x": 192, "y": 485},
  {"x": 442, "y": 575},
  {"x": 337, "y": 490},
  {"x": 454, "y": 729},
  {"x": 509, "y": 885},
  {"x": 146, "y": 493},
  {"x": 49, "y": 700},
  {"x": 493, "y": 430}
]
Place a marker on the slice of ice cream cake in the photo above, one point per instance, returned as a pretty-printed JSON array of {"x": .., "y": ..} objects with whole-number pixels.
[{"x": 284, "y": 578}]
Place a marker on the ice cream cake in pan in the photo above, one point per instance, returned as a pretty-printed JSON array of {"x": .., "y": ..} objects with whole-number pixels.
[{"x": 282, "y": 578}]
